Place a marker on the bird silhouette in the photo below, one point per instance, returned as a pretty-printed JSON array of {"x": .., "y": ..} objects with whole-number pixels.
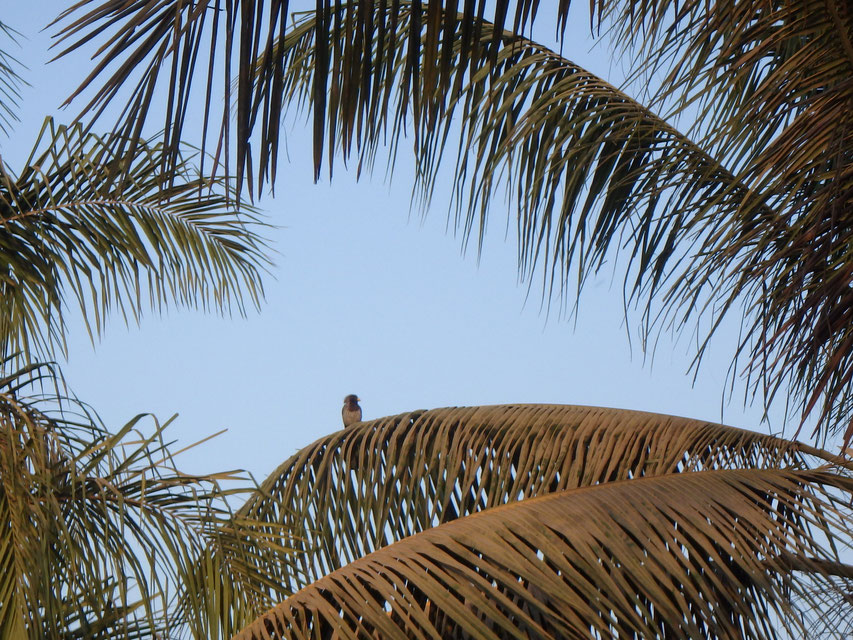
[{"x": 351, "y": 413}]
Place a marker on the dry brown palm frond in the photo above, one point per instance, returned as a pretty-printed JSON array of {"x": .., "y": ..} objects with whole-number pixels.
[
  {"x": 361, "y": 489},
  {"x": 692, "y": 555}
]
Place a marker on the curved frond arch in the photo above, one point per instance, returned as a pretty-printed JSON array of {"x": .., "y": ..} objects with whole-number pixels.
[
  {"x": 711, "y": 554},
  {"x": 368, "y": 486}
]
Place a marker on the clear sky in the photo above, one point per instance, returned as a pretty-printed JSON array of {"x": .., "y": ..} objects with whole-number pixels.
[{"x": 366, "y": 298}]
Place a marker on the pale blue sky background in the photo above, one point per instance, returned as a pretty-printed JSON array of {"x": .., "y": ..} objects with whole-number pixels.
[{"x": 364, "y": 298}]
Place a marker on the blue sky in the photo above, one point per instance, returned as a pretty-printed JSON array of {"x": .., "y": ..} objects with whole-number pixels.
[{"x": 366, "y": 297}]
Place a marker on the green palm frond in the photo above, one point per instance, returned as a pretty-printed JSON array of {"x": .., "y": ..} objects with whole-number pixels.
[
  {"x": 114, "y": 234},
  {"x": 692, "y": 555},
  {"x": 366, "y": 487},
  {"x": 11, "y": 81},
  {"x": 101, "y": 536}
]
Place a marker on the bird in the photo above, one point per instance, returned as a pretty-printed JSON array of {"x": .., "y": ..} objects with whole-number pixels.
[{"x": 351, "y": 413}]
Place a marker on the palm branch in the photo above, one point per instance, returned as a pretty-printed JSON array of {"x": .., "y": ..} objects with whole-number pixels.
[
  {"x": 101, "y": 535},
  {"x": 746, "y": 219},
  {"x": 695, "y": 555},
  {"x": 83, "y": 226},
  {"x": 401, "y": 504},
  {"x": 11, "y": 80}
]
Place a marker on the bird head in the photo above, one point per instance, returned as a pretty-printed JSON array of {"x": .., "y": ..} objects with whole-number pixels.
[{"x": 351, "y": 400}]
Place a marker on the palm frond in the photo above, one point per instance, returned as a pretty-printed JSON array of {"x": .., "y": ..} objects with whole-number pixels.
[
  {"x": 212, "y": 42},
  {"x": 693, "y": 555},
  {"x": 100, "y": 534},
  {"x": 108, "y": 232},
  {"x": 363, "y": 488},
  {"x": 752, "y": 69},
  {"x": 772, "y": 84},
  {"x": 745, "y": 218},
  {"x": 11, "y": 81}
]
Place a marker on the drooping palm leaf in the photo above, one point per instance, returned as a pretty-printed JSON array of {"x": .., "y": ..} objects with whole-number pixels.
[
  {"x": 772, "y": 84},
  {"x": 100, "y": 535},
  {"x": 366, "y": 487},
  {"x": 211, "y": 42},
  {"x": 692, "y": 555},
  {"x": 748, "y": 220},
  {"x": 589, "y": 168},
  {"x": 114, "y": 233}
]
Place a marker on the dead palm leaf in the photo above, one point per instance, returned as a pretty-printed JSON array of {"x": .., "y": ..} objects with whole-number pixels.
[
  {"x": 691, "y": 555},
  {"x": 363, "y": 488}
]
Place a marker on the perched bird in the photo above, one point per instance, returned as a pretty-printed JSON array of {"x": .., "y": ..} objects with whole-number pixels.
[{"x": 351, "y": 413}]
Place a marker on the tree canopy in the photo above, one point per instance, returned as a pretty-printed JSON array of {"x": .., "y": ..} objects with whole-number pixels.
[{"x": 743, "y": 214}]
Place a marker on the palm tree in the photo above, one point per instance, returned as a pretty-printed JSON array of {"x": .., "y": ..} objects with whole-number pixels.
[
  {"x": 743, "y": 214},
  {"x": 550, "y": 521},
  {"x": 556, "y": 522},
  {"x": 101, "y": 536}
]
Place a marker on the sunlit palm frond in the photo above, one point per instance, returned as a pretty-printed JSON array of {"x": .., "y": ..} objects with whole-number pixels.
[
  {"x": 99, "y": 532},
  {"x": 238, "y": 575},
  {"x": 366, "y": 487},
  {"x": 694, "y": 555},
  {"x": 771, "y": 81},
  {"x": 109, "y": 232},
  {"x": 11, "y": 81}
]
